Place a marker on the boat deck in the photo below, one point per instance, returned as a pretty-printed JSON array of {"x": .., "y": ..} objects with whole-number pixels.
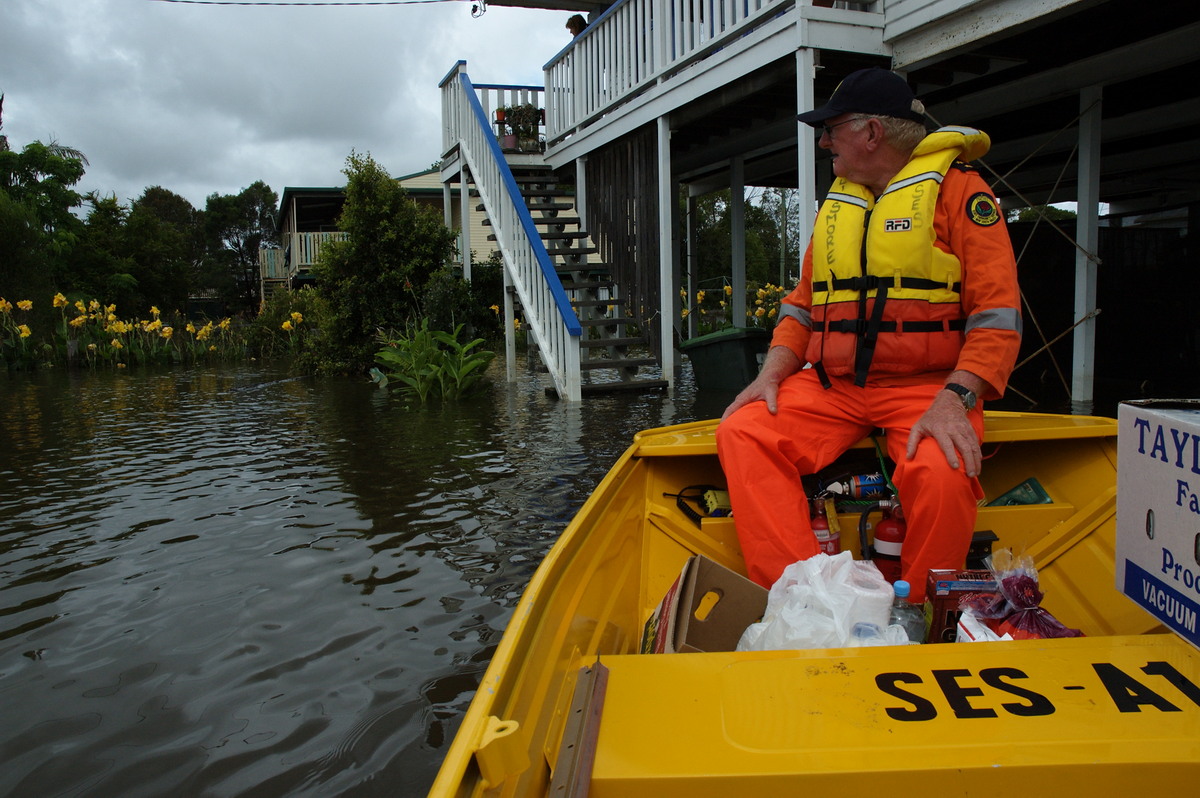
[{"x": 1027, "y": 716}]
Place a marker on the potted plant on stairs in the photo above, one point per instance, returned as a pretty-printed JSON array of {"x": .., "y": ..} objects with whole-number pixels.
[{"x": 524, "y": 122}]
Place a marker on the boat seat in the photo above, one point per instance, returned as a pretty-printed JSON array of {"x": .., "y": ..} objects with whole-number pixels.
[{"x": 1025, "y": 717}]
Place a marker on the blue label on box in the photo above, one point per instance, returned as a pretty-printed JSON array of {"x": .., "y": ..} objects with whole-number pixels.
[{"x": 1174, "y": 609}]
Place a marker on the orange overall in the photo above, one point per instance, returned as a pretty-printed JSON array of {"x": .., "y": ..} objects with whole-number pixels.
[{"x": 764, "y": 456}]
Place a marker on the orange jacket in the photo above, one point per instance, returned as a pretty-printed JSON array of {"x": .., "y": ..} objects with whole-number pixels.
[{"x": 989, "y": 298}]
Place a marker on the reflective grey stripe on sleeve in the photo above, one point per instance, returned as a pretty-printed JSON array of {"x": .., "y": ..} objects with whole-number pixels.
[
  {"x": 799, "y": 314},
  {"x": 996, "y": 319}
]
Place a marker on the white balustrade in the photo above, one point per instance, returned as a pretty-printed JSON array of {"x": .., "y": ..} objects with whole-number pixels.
[
  {"x": 636, "y": 43},
  {"x": 467, "y": 112}
]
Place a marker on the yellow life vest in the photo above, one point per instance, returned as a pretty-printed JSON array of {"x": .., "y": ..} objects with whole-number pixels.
[{"x": 885, "y": 298}]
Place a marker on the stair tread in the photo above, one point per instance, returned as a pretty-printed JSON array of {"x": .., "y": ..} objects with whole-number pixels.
[
  {"x": 618, "y": 363},
  {"x": 566, "y": 221},
  {"x": 604, "y": 343},
  {"x": 607, "y": 322}
]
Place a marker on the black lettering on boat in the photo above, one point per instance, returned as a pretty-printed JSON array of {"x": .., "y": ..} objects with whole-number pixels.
[
  {"x": 920, "y": 709},
  {"x": 959, "y": 695},
  {"x": 1038, "y": 703},
  {"x": 1128, "y": 693}
]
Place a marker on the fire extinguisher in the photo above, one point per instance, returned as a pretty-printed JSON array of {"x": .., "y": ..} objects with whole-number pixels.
[
  {"x": 827, "y": 538},
  {"x": 889, "y": 537}
]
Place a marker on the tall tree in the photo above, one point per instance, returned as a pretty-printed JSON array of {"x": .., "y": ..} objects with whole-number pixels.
[
  {"x": 37, "y": 226},
  {"x": 236, "y": 225},
  {"x": 166, "y": 242},
  {"x": 372, "y": 280}
]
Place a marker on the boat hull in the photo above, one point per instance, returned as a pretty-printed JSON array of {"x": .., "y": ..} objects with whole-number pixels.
[{"x": 568, "y": 704}]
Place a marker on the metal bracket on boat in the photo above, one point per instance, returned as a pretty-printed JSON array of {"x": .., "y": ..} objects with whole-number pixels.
[
  {"x": 501, "y": 753},
  {"x": 577, "y": 753}
]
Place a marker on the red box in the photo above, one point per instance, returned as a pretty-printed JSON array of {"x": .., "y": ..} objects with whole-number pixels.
[{"x": 943, "y": 592}]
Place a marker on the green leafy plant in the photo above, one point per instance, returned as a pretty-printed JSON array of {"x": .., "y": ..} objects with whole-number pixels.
[{"x": 431, "y": 363}]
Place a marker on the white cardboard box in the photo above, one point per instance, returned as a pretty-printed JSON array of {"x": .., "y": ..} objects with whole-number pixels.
[{"x": 1158, "y": 511}]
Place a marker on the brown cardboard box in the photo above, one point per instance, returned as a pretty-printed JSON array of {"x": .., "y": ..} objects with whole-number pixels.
[
  {"x": 944, "y": 589},
  {"x": 707, "y": 609}
]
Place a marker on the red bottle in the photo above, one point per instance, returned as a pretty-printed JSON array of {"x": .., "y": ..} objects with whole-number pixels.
[
  {"x": 889, "y": 541},
  {"x": 827, "y": 539}
]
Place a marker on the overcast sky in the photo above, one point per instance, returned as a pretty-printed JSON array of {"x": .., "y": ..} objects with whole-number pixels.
[{"x": 203, "y": 99}]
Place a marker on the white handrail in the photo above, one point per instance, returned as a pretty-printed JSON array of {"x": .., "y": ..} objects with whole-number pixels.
[
  {"x": 636, "y": 43},
  {"x": 549, "y": 317}
]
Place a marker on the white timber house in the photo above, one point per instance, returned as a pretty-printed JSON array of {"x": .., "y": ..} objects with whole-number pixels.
[{"x": 1091, "y": 102}]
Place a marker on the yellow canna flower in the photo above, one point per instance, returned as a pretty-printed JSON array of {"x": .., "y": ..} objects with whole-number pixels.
[
  {"x": 78, "y": 321},
  {"x": 297, "y": 317},
  {"x": 167, "y": 332},
  {"x": 729, "y": 290},
  {"x": 224, "y": 325},
  {"x": 683, "y": 293},
  {"x": 116, "y": 344},
  {"x": 24, "y": 330},
  {"x": 190, "y": 328},
  {"x": 699, "y": 297},
  {"x": 59, "y": 301},
  {"x": 154, "y": 311},
  {"x": 120, "y": 365},
  {"x": 25, "y": 304},
  {"x": 683, "y": 314},
  {"x": 516, "y": 324},
  {"x": 772, "y": 313},
  {"x": 82, "y": 308},
  {"x": 761, "y": 293},
  {"x": 93, "y": 306},
  {"x": 212, "y": 348},
  {"x": 758, "y": 314},
  {"x": 91, "y": 347},
  {"x": 495, "y": 309},
  {"x": 111, "y": 309},
  {"x": 287, "y": 325},
  {"x": 204, "y": 332},
  {"x": 5, "y": 305}
]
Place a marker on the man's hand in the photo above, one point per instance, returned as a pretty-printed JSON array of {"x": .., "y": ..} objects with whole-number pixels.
[
  {"x": 946, "y": 422},
  {"x": 780, "y": 364}
]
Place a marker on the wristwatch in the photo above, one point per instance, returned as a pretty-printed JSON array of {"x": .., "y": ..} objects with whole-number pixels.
[{"x": 967, "y": 396}]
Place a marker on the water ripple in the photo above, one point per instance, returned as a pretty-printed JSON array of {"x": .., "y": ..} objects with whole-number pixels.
[{"x": 220, "y": 582}]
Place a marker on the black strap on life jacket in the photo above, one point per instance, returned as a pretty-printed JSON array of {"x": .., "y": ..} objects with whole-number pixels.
[
  {"x": 870, "y": 282},
  {"x": 859, "y": 327}
]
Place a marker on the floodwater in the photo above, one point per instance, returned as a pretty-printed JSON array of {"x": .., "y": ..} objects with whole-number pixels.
[{"x": 238, "y": 582}]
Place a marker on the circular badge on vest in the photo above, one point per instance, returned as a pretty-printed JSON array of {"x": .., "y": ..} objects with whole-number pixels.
[{"x": 982, "y": 210}]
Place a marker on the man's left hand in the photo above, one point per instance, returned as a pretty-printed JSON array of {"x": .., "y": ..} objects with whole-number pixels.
[{"x": 946, "y": 422}]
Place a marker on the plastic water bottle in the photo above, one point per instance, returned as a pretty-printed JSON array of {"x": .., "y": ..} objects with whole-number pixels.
[{"x": 910, "y": 616}]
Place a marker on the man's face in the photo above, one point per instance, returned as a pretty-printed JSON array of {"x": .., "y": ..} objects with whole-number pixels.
[{"x": 844, "y": 142}]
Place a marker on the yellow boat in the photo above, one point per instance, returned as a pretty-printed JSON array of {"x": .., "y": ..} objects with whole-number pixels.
[{"x": 569, "y": 707}]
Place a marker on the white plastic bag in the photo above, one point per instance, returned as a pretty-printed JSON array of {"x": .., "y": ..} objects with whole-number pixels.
[{"x": 816, "y": 603}]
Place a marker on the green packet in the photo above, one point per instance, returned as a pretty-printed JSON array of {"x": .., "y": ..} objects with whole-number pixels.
[{"x": 1028, "y": 492}]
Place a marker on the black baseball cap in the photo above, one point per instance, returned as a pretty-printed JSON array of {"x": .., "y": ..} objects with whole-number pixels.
[{"x": 874, "y": 91}]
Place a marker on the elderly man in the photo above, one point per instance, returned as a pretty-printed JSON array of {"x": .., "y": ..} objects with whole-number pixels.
[{"x": 908, "y": 313}]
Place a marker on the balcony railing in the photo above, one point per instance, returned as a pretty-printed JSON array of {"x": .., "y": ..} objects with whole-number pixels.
[
  {"x": 456, "y": 118},
  {"x": 304, "y": 248},
  {"x": 636, "y": 43},
  {"x": 271, "y": 264}
]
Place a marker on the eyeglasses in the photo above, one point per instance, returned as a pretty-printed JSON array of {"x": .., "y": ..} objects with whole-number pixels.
[{"x": 827, "y": 130}]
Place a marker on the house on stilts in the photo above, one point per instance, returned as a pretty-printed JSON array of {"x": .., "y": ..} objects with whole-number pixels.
[{"x": 659, "y": 102}]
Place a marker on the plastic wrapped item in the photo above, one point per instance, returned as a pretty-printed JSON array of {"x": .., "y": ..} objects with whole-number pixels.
[
  {"x": 974, "y": 630},
  {"x": 816, "y": 603},
  {"x": 1016, "y": 608}
]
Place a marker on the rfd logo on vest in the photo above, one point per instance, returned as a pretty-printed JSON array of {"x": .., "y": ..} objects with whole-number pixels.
[
  {"x": 897, "y": 225},
  {"x": 1158, "y": 511}
]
